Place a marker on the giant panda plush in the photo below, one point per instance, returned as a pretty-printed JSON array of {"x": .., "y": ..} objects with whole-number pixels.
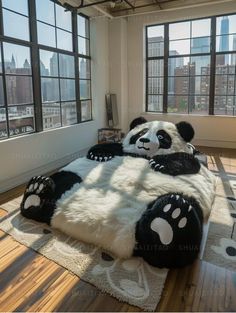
[{"x": 146, "y": 197}]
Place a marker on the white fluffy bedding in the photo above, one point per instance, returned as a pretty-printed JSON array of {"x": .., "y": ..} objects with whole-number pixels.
[{"x": 105, "y": 207}]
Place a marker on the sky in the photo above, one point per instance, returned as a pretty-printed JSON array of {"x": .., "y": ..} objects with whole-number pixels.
[{"x": 179, "y": 32}]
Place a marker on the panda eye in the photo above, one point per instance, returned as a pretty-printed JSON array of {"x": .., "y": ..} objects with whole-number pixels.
[{"x": 160, "y": 137}]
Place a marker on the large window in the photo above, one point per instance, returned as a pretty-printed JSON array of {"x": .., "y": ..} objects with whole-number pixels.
[
  {"x": 45, "y": 77},
  {"x": 191, "y": 67}
]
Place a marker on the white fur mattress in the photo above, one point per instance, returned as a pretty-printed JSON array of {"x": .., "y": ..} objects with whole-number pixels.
[{"x": 104, "y": 208}]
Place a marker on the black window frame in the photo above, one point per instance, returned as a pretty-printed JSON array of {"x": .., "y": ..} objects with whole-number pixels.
[
  {"x": 212, "y": 53},
  {"x": 35, "y": 48}
]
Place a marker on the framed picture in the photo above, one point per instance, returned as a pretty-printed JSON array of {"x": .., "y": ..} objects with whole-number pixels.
[{"x": 106, "y": 135}]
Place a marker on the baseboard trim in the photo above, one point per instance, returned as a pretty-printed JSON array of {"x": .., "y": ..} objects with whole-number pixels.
[{"x": 24, "y": 178}]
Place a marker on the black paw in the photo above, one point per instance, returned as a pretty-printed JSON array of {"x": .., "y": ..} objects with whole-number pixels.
[
  {"x": 157, "y": 166},
  {"x": 169, "y": 233},
  {"x": 38, "y": 202},
  {"x": 172, "y": 220},
  {"x": 100, "y": 156}
]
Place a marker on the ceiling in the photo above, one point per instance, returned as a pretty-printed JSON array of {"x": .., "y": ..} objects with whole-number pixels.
[{"x": 119, "y": 8}]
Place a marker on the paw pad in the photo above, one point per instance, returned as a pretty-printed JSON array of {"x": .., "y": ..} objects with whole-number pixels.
[
  {"x": 172, "y": 219},
  {"x": 37, "y": 188}
]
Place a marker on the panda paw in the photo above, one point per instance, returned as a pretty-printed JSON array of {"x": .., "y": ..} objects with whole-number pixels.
[
  {"x": 157, "y": 166},
  {"x": 38, "y": 189},
  {"x": 169, "y": 232},
  {"x": 173, "y": 219},
  {"x": 100, "y": 157}
]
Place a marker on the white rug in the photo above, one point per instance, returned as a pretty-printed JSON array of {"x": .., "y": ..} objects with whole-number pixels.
[{"x": 132, "y": 281}]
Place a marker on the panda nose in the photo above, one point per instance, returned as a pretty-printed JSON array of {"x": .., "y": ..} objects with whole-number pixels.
[{"x": 144, "y": 140}]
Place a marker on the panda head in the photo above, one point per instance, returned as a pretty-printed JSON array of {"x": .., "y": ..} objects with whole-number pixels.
[{"x": 158, "y": 137}]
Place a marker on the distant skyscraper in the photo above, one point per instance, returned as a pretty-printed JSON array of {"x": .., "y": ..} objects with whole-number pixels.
[
  {"x": 224, "y": 39},
  {"x": 173, "y": 64},
  {"x": 200, "y": 45},
  {"x": 233, "y": 57}
]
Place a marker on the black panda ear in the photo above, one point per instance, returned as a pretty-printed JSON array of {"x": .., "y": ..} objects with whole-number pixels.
[
  {"x": 185, "y": 130},
  {"x": 137, "y": 121}
]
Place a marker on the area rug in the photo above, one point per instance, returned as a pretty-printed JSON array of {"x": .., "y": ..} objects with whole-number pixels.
[
  {"x": 220, "y": 246},
  {"x": 132, "y": 281}
]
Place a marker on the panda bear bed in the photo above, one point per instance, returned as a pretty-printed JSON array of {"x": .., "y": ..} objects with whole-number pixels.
[{"x": 146, "y": 197}]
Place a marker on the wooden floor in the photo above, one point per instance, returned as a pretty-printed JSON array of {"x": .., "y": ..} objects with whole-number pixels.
[{"x": 30, "y": 282}]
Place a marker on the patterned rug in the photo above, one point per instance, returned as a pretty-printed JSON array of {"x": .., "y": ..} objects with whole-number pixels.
[
  {"x": 132, "y": 281},
  {"x": 220, "y": 246}
]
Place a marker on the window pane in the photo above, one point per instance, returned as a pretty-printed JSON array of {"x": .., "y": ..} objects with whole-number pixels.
[
  {"x": 155, "y": 41},
  {"x": 225, "y": 43},
  {"x": 66, "y": 65},
  {"x": 51, "y": 115},
  {"x": 225, "y": 64},
  {"x": 155, "y": 47},
  {"x": 201, "y": 28},
  {"x": 225, "y": 105},
  {"x": 3, "y": 124},
  {"x": 50, "y": 89},
  {"x": 45, "y": 11},
  {"x": 83, "y": 46},
  {"x": 63, "y": 18},
  {"x": 83, "y": 26},
  {"x": 155, "y": 68},
  {"x": 199, "y": 105},
  {"x": 226, "y": 25},
  {"x": 202, "y": 85},
  {"x": 231, "y": 85},
  {"x": 50, "y": 38},
  {"x": 19, "y": 89},
  {"x": 15, "y": 25},
  {"x": 200, "y": 45},
  {"x": 181, "y": 85},
  {"x": 179, "y": 30},
  {"x": 155, "y": 85},
  {"x": 200, "y": 65},
  {"x": 199, "y": 85},
  {"x": 48, "y": 63},
  {"x": 20, "y": 6},
  {"x": 180, "y": 46},
  {"x": 155, "y": 103},
  {"x": 224, "y": 84},
  {"x": 177, "y": 104},
  {"x": 155, "y": 31},
  {"x": 84, "y": 68},
  {"x": 21, "y": 120},
  {"x": 67, "y": 89},
  {"x": 178, "y": 66},
  {"x": 231, "y": 105},
  {"x": 1, "y": 92},
  {"x": 17, "y": 59},
  {"x": 84, "y": 89},
  {"x": 64, "y": 40},
  {"x": 69, "y": 113},
  {"x": 86, "y": 110}
]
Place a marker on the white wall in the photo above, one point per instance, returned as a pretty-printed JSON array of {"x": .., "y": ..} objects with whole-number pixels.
[
  {"x": 119, "y": 68},
  {"x": 23, "y": 157},
  {"x": 210, "y": 130}
]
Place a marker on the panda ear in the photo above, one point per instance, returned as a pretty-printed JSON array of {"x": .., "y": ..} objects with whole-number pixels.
[
  {"x": 185, "y": 130},
  {"x": 137, "y": 121}
]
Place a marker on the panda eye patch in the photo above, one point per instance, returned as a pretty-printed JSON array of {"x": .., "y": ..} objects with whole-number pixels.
[
  {"x": 135, "y": 137},
  {"x": 164, "y": 139}
]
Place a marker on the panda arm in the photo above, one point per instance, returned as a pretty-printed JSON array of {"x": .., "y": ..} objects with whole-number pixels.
[
  {"x": 174, "y": 164},
  {"x": 105, "y": 152}
]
